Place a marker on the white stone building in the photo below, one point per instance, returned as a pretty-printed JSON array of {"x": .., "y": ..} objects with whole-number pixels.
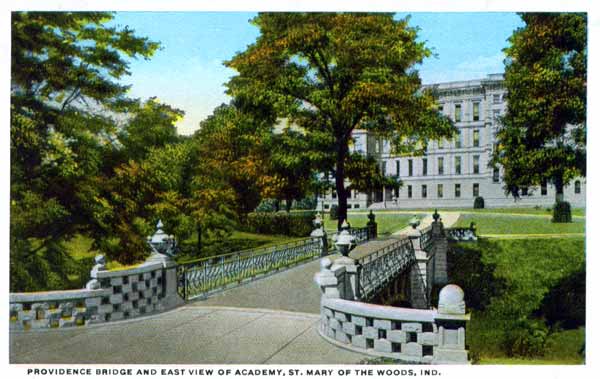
[{"x": 452, "y": 172}]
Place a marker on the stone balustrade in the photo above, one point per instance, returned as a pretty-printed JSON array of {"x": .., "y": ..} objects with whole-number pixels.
[
  {"x": 109, "y": 296},
  {"x": 420, "y": 334}
]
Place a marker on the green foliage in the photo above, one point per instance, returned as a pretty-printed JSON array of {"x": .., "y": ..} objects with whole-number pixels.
[
  {"x": 561, "y": 212},
  {"x": 564, "y": 304},
  {"x": 296, "y": 224},
  {"x": 527, "y": 338},
  {"x": 543, "y": 134},
  {"x": 65, "y": 97},
  {"x": 508, "y": 284},
  {"x": 478, "y": 203},
  {"x": 330, "y": 73}
]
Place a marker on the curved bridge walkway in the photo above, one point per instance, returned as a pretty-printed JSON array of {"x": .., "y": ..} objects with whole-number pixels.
[{"x": 273, "y": 320}]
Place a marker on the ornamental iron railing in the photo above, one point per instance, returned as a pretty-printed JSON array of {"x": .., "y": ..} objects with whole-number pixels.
[
  {"x": 426, "y": 239},
  {"x": 203, "y": 277},
  {"x": 461, "y": 234},
  {"x": 361, "y": 235},
  {"x": 378, "y": 269}
]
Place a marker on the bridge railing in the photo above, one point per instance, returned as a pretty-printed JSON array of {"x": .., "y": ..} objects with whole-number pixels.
[
  {"x": 461, "y": 234},
  {"x": 201, "y": 277},
  {"x": 377, "y": 269},
  {"x": 426, "y": 238}
]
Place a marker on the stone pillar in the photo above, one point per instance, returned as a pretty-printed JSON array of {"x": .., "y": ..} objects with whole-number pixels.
[
  {"x": 171, "y": 298},
  {"x": 372, "y": 225},
  {"x": 439, "y": 251},
  {"x": 327, "y": 280},
  {"x": 451, "y": 321},
  {"x": 320, "y": 233}
]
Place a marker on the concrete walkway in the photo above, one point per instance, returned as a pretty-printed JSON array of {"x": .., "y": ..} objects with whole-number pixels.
[
  {"x": 448, "y": 218},
  {"x": 187, "y": 335}
]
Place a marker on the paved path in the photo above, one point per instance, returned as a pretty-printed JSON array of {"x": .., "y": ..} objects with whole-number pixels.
[
  {"x": 187, "y": 335},
  {"x": 448, "y": 218},
  {"x": 279, "y": 291}
]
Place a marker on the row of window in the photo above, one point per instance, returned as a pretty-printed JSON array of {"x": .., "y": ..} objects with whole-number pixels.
[
  {"x": 440, "y": 167},
  {"x": 440, "y": 190},
  {"x": 458, "y": 140},
  {"x": 475, "y": 106}
]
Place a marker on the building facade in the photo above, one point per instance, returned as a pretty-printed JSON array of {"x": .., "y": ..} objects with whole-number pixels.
[{"x": 452, "y": 173}]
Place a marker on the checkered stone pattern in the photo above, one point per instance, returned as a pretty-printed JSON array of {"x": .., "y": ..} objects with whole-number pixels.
[
  {"x": 404, "y": 339},
  {"x": 49, "y": 314},
  {"x": 123, "y": 296},
  {"x": 132, "y": 296}
]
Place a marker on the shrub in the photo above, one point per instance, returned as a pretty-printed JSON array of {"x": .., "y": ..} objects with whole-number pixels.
[
  {"x": 526, "y": 339},
  {"x": 562, "y": 212},
  {"x": 297, "y": 224},
  {"x": 267, "y": 205},
  {"x": 333, "y": 212},
  {"x": 479, "y": 203}
]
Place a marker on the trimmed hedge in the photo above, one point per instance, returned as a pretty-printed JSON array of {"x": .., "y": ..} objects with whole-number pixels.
[
  {"x": 333, "y": 212},
  {"x": 295, "y": 224},
  {"x": 479, "y": 203},
  {"x": 562, "y": 212}
]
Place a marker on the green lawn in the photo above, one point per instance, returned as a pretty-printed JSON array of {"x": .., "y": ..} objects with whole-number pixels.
[
  {"x": 526, "y": 298},
  {"x": 538, "y": 211},
  {"x": 387, "y": 222},
  {"x": 507, "y": 224}
]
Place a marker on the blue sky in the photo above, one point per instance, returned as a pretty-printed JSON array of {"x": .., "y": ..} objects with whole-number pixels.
[{"x": 188, "y": 72}]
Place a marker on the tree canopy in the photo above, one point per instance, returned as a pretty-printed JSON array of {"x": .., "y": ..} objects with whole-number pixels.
[
  {"x": 332, "y": 73},
  {"x": 543, "y": 134}
]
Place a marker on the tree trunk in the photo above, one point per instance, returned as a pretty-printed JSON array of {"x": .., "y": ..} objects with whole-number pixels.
[
  {"x": 199, "y": 244},
  {"x": 559, "y": 187},
  {"x": 340, "y": 175},
  {"x": 277, "y": 205}
]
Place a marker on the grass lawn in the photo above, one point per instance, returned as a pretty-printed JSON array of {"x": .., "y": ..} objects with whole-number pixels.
[
  {"x": 387, "y": 222},
  {"x": 518, "y": 290},
  {"x": 507, "y": 224},
  {"x": 537, "y": 211}
]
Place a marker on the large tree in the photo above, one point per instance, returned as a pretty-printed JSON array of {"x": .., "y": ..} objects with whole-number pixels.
[
  {"x": 331, "y": 73},
  {"x": 543, "y": 134},
  {"x": 65, "y": 92}
]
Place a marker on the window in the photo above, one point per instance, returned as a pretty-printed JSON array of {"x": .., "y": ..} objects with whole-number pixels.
[
  {"x": 458, "y": 140},
  {"x": 383, "y": 168},
  {"x": 475, "y": 111},
  {"x": 441, "y": 108},
  {"x": 325, "y": 206},
  {"x": 440, "y": 190},
  {"x": 457, "y": 165},
  {"x": 475, "y": 189},
  {"x": 440, "y": 144},
  {"x": 410, "y": 167},
  {"x": 476, "y": 138},
  {"x": 409, "y": 189},
  {"x": 441, "y": 166},
  {"x": 544, "y": 187},
  {"x": 424, "y": 191},
  {"x": 475, "y": 164},
  {"x": 457, "y": 190},
  {"x": 496, "y": 175},
  {"x": 457, "y": 112},
  {"x": 524, "y": 191},
  {"x": 398, "y": 168},
  {"x": 397, "y": 192},
  {"x": 424, "y": 166},
  {"x": 577, "y": 187},
  {"x": 497, "y": 99},
  {"x": 356, "y": 205}
]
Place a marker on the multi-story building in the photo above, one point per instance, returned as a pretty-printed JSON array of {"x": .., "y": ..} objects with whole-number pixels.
[{"x": 452, "y": 172}]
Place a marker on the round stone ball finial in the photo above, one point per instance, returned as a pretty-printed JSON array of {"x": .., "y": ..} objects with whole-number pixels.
[{"x": 451, "y": 300}]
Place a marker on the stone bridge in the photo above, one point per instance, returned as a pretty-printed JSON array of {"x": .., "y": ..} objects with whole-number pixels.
[{"x": 230, "y": 317}]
